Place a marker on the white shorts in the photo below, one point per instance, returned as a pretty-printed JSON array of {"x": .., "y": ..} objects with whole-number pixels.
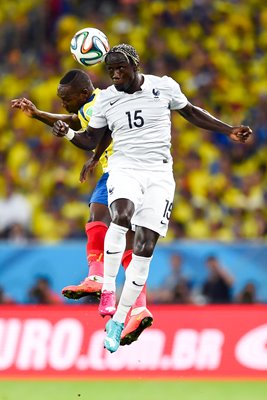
[{"x": 151, "y": 192}]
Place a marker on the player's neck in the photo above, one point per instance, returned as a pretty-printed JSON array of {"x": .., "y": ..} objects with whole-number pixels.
[{"x": 136, "y": 84}]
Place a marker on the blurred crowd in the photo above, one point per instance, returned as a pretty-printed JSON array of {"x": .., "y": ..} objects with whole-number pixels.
[
  {"x": 218, "y": 286},
  {"x": 179, "y": 287},
  {"x": 41, "y": 292},
  {"x": 216, "y": 50}
]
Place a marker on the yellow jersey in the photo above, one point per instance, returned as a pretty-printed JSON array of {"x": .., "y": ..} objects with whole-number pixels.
[{"x": 84, "y": 115}]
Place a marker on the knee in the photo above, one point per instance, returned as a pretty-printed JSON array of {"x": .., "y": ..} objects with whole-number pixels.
[
  {"x": 121, "y": 212},
  {"x": 99, "y": 212},
  {"x": 122, "y": 219},
  {"x": 144, "y": 241},
  {"x": 144, "y": 248}
]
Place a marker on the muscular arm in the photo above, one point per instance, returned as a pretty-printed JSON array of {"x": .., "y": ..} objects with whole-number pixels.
[
  {"x": 30, "y": 109},
  {"x": 89, "y": 139},
  {"x": 86, "y": 140},
  {"x": 49, "y": 119},
  {"x": 201, "y": 118}
]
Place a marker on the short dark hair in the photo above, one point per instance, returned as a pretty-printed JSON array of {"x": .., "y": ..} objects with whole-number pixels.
[
  {"x": 127, "y": 50},
  {"x": 77, "y": 78}
]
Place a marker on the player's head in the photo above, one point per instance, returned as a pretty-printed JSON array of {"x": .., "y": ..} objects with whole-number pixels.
[
  {"x": 122, "y": 62},
  {"x": 74, "y": 89}
]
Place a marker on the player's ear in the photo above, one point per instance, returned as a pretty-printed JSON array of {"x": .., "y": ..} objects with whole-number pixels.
[{"x": 86, "y": 92}]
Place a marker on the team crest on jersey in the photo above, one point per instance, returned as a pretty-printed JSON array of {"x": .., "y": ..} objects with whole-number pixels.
[
  {"x": 156, "y": 93},
  {"x": 111, "y": 190},
  {"x": 89, "y": 112}
]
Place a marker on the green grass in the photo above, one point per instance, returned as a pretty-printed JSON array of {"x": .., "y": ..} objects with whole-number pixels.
[{"x": 132, "y": 390}]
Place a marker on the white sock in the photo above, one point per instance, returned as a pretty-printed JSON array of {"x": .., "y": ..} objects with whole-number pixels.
[
  {"x": 114, "y": 246},
  {"x": 136, "y": 276}
]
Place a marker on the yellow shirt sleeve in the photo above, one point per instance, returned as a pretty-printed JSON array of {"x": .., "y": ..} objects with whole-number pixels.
[{"x": 84, "y": 115}]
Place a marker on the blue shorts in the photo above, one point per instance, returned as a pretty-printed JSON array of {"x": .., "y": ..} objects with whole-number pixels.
[{"x": 100, "y": 193}]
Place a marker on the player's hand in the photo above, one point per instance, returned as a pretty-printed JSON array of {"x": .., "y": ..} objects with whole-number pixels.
[
  {"x": 240, "y": 133},
  {"x": 25, "y": 105},
  {"x": 60, "y": 128},
  {"x": 90, "y": 164}
]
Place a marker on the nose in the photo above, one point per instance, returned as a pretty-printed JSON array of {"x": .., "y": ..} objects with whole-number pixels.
[{"x": 116, "y": 74}]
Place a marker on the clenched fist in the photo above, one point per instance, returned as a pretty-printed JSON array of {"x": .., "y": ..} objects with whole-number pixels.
[
  {"x": 60, "y": 128},
  {"x": 240, "y": 133}
]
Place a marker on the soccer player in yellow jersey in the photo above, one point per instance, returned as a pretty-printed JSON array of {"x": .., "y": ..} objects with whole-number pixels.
[{"x": 78, "y": 96}]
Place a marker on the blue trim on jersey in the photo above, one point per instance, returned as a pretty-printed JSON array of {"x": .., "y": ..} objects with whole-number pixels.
[
  {"x": 82, "y": 113},
  {"x": 100, "y": 193},
  {"x": 91, "y": 98},
  {"x": 88, "y": 101}
]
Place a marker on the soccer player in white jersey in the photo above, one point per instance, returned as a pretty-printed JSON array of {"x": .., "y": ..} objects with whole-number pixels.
[{"x": 137, "y": 109}]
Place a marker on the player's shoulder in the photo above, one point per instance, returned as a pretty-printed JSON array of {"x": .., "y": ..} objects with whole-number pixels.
[
  {"x": 86, "y": 110},
  {"x": 107, "y": 94},
  {"x": 107, "y": 91},
  {"x": 161, "y": 81},
  {"x": 90, "y": 102},
  {"x": 97, "y": 92}
]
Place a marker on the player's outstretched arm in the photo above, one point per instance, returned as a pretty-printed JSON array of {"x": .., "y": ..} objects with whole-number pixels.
[
  {"x": 86, "y": 140},
  {"x": 30, "y": 109},
  {"x": 201, "y": 118},
  {"x": 25, "y": 105}
]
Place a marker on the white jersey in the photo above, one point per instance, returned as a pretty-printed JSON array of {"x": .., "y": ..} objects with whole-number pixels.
[{"x": 140, "y": 122}]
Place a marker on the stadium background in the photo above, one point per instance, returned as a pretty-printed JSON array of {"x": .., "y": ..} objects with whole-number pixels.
[{"x": 216, "y": 50}]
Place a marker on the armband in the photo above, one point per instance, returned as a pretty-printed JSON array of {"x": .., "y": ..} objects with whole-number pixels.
[{"x": 70, "y": 135}]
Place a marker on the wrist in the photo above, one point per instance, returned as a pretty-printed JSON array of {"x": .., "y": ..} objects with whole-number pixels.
[
  {"x": 228, "y": 130},
  {"x": 36, "y": 114},
  {"x": 70, "y": 134}
]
